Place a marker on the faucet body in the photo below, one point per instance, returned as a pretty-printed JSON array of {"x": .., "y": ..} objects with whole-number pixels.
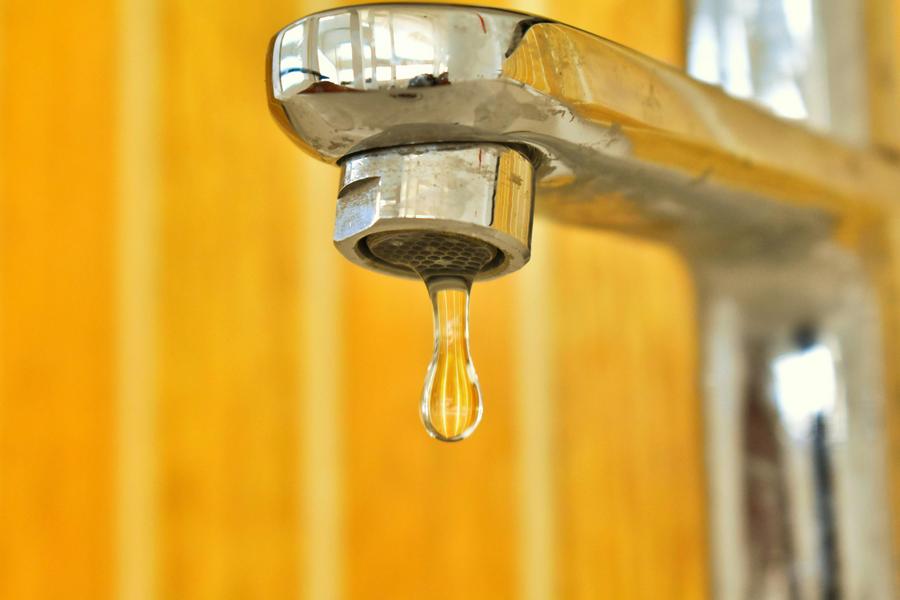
[{"x": 785, "y": 232}]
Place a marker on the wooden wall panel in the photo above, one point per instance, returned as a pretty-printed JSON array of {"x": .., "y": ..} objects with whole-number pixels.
[
  {"x": 287, "y": 456},
  {"x": 425, "y": 519},
  {"x": 230, "y": 217},
  {"x": 57, "y": 366},
  {"x": 630, "y": 477},
  {"x": 288, "y": 453}
]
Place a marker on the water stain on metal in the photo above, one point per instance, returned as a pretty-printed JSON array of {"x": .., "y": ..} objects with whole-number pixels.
[
  {"x": 326, "y": 87},
  {"x": 429, "y": 80}
]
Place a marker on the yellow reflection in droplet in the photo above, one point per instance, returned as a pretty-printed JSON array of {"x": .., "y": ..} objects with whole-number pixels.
[{"x": 451, "y": 401}]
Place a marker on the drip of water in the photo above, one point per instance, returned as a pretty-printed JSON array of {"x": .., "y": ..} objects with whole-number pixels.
[
  {"x": 451, "y": 400},
  {"x": 448, "y": 264}
]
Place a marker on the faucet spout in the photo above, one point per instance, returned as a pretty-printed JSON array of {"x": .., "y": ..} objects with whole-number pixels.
[
  {"x": 481, "y": 192},
  {"x": 465, "y": 120}
]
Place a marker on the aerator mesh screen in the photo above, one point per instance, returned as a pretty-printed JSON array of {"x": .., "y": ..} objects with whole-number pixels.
[{"x": 432, "y": 253}]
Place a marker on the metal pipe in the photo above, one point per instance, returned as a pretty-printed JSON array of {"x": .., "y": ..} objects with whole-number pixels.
[{"x": 784, "y": 230}]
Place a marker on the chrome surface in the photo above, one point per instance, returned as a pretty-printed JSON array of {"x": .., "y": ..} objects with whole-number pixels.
[
  {"x": 803, "y": 59},
  {"x": 481, "y": 191},
  {"x": 795, "y": 418},
  {"x": 783, "y": 229}
]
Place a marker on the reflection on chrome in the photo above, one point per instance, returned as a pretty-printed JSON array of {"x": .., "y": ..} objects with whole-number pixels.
[
  {"x": 780, "y": 227},
  {"x": 760, "y": 50},
  {"x": 806, "y": 394},
  {"x": 799, "y": 58},
  {"x": 391, "y": 48},
  {"x": 805, "y": 383},
  {"x": 374, "y": 47}
]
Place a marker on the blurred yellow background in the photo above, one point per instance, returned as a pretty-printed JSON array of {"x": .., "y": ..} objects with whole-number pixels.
[{"x": 200, "y": 399}]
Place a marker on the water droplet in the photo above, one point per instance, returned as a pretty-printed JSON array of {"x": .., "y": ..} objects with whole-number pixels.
[
  {"x": 451, "y": 400},
  {"x": 448, "y": 264}
]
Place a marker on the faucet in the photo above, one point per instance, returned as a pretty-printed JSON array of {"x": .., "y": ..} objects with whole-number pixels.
[{"x": 460, "y": 123}]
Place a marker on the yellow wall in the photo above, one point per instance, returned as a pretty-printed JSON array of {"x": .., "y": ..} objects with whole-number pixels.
[
  {"x": 200, "y": 400},
  {"x": 57, "y": 299}
]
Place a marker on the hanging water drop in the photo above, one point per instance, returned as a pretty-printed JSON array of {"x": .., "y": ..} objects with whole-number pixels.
[
  {"x": 448, "y": 263},
  {"x": 451, "y": 399}
]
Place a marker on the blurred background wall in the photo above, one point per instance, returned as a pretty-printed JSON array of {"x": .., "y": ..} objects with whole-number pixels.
[{"x": 200, "y": 399}]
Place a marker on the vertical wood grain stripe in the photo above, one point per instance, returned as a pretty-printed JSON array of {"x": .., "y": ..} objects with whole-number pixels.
[
  {"x": 322, "y": 573},
  {"x": 228, "y": 411},
  {"x": 137, "y": 128},
  {"x": 537, "y": 548},
  {"x": 57, "y": 209}
]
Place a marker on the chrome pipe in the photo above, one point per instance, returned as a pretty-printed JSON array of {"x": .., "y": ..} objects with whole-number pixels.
[{"x": 785, "y": 231}]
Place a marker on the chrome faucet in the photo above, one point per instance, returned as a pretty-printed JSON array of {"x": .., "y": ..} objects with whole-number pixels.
[{"x": 463, "y": 121}]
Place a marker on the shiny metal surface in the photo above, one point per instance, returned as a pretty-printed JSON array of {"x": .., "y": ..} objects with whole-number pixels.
[
  {"x": 483, "y": 191},
  {"x": 784, "y": 229},
  {"x": 795, "y": 415},
  {"x": 803, "y": 59}
]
